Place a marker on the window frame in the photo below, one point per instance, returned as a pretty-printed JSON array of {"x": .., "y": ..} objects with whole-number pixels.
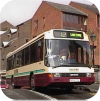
[{"x": 70, "y": 18}]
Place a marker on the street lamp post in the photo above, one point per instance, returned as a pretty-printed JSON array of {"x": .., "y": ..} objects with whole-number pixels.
[{"x": 93, "y": 38}]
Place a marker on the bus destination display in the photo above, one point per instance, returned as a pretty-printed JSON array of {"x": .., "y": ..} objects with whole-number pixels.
[{"x": 68, "y": 34}]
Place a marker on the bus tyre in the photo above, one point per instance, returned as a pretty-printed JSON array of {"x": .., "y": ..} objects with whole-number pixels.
[{"x": 32, "y": 83}]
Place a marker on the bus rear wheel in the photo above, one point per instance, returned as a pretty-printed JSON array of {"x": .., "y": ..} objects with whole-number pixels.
[{"x": 32, "y": 83}]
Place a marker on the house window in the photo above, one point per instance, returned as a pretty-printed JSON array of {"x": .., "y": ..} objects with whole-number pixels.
[
  {"x": 76, "y": 19},
  {"x": 36, "y": 24},
  {"x": 27, "y": 40},
  {"x": 98, "y": 21},
  {"x": 81, "y": 20},
  {"x": 43, "y": 21},
  {"x": 70, "y": 18}
]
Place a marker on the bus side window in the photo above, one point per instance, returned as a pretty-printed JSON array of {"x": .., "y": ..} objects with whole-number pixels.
[
  {"x": 12, "y": 61},
  {"x": 9, "y": 62},
  {"x": 38, "y": 54},
  {"x": 20, "y": 58},
  {"x": 23, "y": 57},
  {"x": 33, "y": 53},
  {"x": 40, "y": 50},
  {"x": 27, "y": 56},
  {"x": 7, "y": 65},
  {"x": 17, "y": 60}
]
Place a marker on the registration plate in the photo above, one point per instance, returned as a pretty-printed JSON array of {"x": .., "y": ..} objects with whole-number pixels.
[{"x": 74, "y": 80}]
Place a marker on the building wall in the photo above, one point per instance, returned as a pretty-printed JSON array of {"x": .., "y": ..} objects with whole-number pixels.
[
  {"x": 10, "y": 48},
  {"x": 92, "y": 17},
  {"x": 92, "y": 25},
  {"x": 24, "y": 32},
  {"x": 5, "y": 26},
  {"x": 53, "y": 19}
]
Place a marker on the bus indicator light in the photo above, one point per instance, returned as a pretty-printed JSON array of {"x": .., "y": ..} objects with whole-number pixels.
[{"x": 50, "y": 75}]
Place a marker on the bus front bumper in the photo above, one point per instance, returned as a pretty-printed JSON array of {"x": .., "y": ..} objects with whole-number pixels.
[{"x": 45, "y": 80}]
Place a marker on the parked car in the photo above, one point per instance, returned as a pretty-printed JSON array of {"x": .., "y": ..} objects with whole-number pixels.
[{"x": 3, "y": 84}]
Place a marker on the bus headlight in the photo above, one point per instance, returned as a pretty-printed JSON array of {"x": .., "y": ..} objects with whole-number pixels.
[
  {"x": 56, "y": 74},
  {"x": 88, "y": 74}
]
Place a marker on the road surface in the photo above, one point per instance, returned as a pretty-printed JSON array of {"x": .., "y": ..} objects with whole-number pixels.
[{"x": 47, "y": 94}]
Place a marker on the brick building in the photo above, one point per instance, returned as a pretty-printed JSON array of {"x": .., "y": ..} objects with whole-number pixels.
[
  {"x": 13, "y": 37},
  {"x": 57, "y": 16},
  {"x": 24, "y": 32},
  {"x": 93, "y": 24},
  {"x": 5, "y": 41},
  {"x": 75, "y": 16}
]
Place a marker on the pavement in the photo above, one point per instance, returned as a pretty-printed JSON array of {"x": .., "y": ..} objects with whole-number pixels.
[{"x": 91, "y": 88}]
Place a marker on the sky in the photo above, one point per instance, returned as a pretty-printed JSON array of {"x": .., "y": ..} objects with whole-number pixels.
[{"x": 19, "y": 11}]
